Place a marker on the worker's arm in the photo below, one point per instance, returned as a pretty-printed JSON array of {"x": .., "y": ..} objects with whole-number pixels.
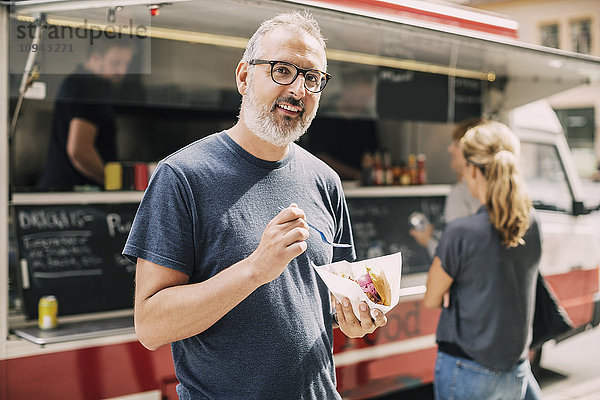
[{"x": 81, "y": 150}]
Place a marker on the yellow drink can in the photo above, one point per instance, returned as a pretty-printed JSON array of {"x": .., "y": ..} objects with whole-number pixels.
[
  {"x": 47, "y": 312},
  {"x": 113, "y": 176}
]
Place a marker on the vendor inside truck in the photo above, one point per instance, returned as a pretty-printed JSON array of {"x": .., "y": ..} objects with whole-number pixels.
[{"x": 84, "y": 128}]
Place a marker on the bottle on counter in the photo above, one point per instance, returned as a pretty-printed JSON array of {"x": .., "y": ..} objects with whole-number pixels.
[
  {"x": 378, "y": 171},
  {"x": 412, "y": 169},
  {"x": 388, "y": 171},
  {"x": 421, "y": 171},
  {"x": 397, "y": 174},
  {"x": 367, "y": 169},
  {"x": 405, "y": 178}
]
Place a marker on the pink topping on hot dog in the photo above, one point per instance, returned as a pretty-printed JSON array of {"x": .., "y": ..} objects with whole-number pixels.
[{"x": 367, "y": 286}]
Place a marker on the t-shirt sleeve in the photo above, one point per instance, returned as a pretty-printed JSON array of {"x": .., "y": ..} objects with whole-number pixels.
[
  {"x": 162, "y": 231},
  {"x": 448, "y": 250},
  {"x": 536, "y": 225},
  {"x": 344, "y": 231}
]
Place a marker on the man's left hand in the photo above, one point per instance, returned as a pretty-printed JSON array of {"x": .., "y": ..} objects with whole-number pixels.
[{"x": 351, "y": 326}]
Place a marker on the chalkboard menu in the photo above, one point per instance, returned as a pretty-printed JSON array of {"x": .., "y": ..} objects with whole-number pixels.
[
  {"x": 380, "y": 226},
  {"x": 420, "y": 96},
  {"x": 74, "y": 253}
]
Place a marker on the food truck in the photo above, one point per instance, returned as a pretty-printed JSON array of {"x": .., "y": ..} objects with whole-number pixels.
[{"x": 404, "y": 72}]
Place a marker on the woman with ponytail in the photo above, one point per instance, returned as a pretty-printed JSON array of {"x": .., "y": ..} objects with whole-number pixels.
[{"x": 485, "y": 272}]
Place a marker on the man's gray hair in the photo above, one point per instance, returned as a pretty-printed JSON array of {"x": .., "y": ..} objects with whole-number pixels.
[{"x": 296, "y": 21}]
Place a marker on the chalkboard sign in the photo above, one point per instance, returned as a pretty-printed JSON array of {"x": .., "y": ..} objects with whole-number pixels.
[
  {"x": 380, "y": 226},
  {"x": 467, "y": 98},
  {"x": 420, "y": 96},
  {"x": 74, "y": 253}
]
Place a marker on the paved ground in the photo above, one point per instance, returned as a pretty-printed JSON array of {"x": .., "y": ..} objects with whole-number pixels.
[{"x": 570, "y": 371}]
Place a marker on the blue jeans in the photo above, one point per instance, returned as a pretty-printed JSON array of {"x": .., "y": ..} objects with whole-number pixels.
[
  {"x": 533, "y": 389},
  {"x": 460, "y": 379}
]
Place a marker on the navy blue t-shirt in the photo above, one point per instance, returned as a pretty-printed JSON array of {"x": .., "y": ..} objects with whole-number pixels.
[
  {"x": 490, "y": 316},
  {"x": 205, "y": 209}
]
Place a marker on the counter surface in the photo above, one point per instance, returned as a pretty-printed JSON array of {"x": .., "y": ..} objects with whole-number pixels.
[
  {"x": 51, "y": 198},
  {"x": 77, "y": 330}
]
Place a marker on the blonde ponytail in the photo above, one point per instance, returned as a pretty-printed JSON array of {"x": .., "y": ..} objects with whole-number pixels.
[
  {"x": 494, "y": 148},
  {"x": 506, "y": 200}
]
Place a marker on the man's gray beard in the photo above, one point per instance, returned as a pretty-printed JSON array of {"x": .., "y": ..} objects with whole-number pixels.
[{"x": 262, "y": 121}]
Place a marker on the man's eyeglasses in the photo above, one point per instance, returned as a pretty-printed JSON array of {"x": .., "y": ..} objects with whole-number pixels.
[{"x": 285, "y": 73}]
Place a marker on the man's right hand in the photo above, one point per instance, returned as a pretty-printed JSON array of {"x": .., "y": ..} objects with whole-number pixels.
[
  {"x": 169, "y": 308},
  {"x": 283, "y": 239}
]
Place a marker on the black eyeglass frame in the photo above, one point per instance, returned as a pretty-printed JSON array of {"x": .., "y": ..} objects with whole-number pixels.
[{"x": 299, "y": 71}]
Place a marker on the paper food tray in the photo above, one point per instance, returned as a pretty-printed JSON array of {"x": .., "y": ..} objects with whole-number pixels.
[{"x": 342, "y": 287}]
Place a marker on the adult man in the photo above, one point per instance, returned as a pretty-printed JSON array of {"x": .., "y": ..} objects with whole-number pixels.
[
  {"x": 221, "y": 273},
  {"x": 83, "y": 134}
]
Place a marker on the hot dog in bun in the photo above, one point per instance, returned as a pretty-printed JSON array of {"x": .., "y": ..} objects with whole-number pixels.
[{"x": 376, "y": 287}]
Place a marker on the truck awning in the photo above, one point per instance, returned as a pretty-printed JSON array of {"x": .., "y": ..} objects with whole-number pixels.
[{"x": 359, "y": 31}]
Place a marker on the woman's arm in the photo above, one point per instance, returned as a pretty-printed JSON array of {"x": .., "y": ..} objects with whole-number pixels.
[{"x": 438, "y": 285}]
